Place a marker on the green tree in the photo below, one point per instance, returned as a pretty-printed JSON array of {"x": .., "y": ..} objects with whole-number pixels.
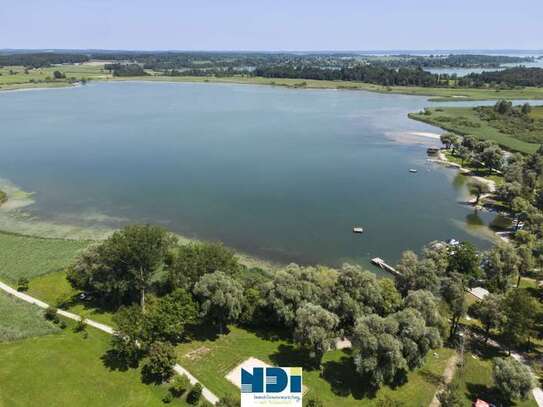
[
  {"x": 229, "y": 401},
  {"x": 489, "y": 312},
  {"x": 427, "y": 305},
  {"x": 492, "y": 157},
  {"x": 478, "y": 188},
  {"x": 130, "y": 342},
  {"x": 451, "y": 396},
  {"x": 315, "y": 330},
  {"x": 358, "y": 292},
  {"x": 220, "y": 297},
  {"x": 447, "y": 139},
  {"x": 422, "y": 276},
  {"x": 464, "y": 154},
  {"x": 526, "y": 108},
  {"x": 166, "y": 317},
  {"x": 526, "y": 263},
  {"x": 521, "y": 208},
  {"x": 378, "y": 352},
  {"x": 464, "y": 260},
  {"x": 124, "y": 265},
  {"x": 521, "y": 312},
  {"x": 501, "y": 265},
  {"x": 293, "y": 286},
  {"x": 512, "y": 378},
  {"x": 195, "y": 394},
  {"x": 190, "y": 262},
  {"x": 158, "y": 367},
  {"x": 452, "y": 291}
]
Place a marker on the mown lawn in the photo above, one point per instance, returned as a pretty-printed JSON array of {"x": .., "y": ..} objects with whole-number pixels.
[
  {"x": 213, "y": 357},
  {"x": 64, "y": 369},
  {"x": 24, "y": 256},
  {"x": 19, "y": 320},
  {"x": 475, "y": 380},
  {"x": 54, "y": 289},
  {"x": 464, "y": 120}
]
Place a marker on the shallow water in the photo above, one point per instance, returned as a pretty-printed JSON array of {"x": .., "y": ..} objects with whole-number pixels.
[{"x": 280, "y": 173}]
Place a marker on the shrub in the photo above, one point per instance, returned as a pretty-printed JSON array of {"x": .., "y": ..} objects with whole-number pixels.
[
  {"x": 179, "y": 386},
  {"x": 22, "y": 284},
  {"x": 62, "y": 325},
  {"x": 168, "y": 398},
  {"x": 51, "y": 314},
  {"x": 159, "y": 365},
  {"x": 81, "y": 325},
  {"x": 230, "y": 401},
  {"x": 195, "y": 394}
]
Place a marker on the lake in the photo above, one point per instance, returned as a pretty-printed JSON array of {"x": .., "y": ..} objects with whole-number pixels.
[{"x": 283, "y": 174}]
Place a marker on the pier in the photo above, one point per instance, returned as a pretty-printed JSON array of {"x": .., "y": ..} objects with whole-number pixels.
[{"x": 379, "y": 262}]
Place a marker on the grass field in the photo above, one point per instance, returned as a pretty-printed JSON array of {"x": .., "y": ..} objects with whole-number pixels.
[
  {"x": 464, "y": 120},
  {"x": 17, "y": 77},
  {"x": 54, "y": 288},
  {"x": 24, "y": 256},
  {"x": 212, "y": 358},
  {"x": 21, "y": 320},
  {"x": 64, "y": 369},
  {"x": 475, "y": 379}
]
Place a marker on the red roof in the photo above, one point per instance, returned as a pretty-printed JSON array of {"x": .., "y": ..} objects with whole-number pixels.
[{"x": 481, "y": 403}]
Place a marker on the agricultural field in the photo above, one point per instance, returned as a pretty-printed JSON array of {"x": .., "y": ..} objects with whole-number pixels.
[
  {"x": 25, "y": 256},
  {"x": 210, "y": 359},
  {"x": 466, "y": 120},
  {"x": 21, "y": 320},
  {"x": 65, "y": 369},
  {"x": 17, "y": 77}
]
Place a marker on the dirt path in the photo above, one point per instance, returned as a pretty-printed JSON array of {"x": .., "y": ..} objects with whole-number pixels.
[
  {"x": 448, "y": 375},
  {"x": 212, "y": 398}
]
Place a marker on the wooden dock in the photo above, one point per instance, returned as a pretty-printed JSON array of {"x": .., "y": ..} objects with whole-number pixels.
[{"x": 379, "y": 262}]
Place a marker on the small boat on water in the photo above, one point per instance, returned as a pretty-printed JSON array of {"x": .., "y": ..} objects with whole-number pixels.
[
  {"x": 412, "y": 170},
  {"x": 358, "y": 229}
]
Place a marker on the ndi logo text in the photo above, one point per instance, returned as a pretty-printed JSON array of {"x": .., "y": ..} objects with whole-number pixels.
[{"x": 277, "y": 386}]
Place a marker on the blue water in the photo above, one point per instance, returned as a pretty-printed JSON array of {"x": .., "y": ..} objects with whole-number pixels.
[{"x": 280, "y": 173}]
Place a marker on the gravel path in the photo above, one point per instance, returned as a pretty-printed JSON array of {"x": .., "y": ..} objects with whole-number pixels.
[
  {"x": 448, "y": 375},
  {"x": 212, "y": 398}
]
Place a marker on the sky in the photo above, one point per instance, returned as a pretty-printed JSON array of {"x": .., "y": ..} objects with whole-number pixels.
[{"x": 279, "y": 25}]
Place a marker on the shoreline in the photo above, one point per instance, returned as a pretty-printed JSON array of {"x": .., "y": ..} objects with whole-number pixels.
[
  {"x": 431, "y": 94},
  {"x": 15, "y": 220}
]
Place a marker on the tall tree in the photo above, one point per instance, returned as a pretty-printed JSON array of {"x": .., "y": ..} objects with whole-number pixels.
[
  {"x": 489, "y": 312},
  {"x": 191, "y": 261},
  {"x": 452, "y": 291},
  {"x": 501, "y": 265},
  {"x": 478, "y": 188},
  {"x": 512, "y": 378},
  {"x": 464, "y": 260},
  {"x": 124, "y": 264},
  {"x": 220, "y": 297},
  {"x": 315, "y": 329}
]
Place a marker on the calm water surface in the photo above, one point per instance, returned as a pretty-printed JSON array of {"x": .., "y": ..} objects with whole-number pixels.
[{"x": 280, "y": 173}]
